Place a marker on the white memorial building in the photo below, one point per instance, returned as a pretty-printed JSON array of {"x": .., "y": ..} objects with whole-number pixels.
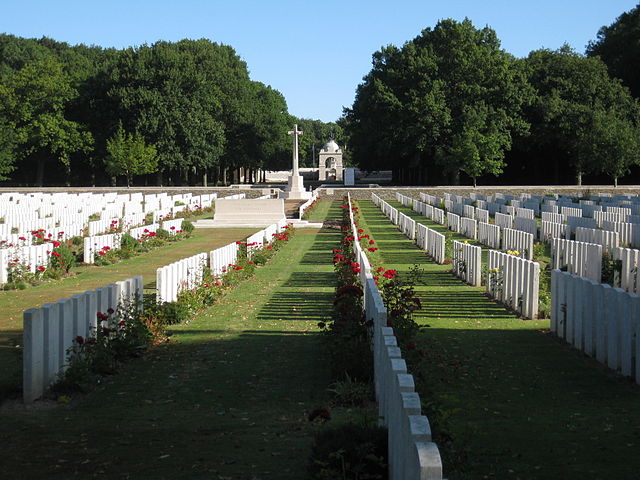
[{"x": 330, "y": 162}]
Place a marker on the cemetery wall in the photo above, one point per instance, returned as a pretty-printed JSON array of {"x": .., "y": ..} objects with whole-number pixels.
[
  {"x": 221, "y": 191},
  {"x": 389, "y": 193}
]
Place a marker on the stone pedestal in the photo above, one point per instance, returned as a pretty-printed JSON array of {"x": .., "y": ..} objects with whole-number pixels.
[{"x": 295, "y": 189}]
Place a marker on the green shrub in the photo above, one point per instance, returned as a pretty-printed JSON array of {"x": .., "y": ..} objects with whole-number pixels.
[
  {"x": 62, "y": 259},
  {"x": 187, "y": 226},
  {"x": 167, "y": 313},
  {"x": 351, "y": 393},
  {"x": 128, "y": 242},
  {"x": 163, "y": 234}
]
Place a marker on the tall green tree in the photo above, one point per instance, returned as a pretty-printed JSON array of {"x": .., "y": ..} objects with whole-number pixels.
[
  {"x": 129, "y": 155},
  {"x": 450, "y": 98},
  {"x": 33, "y": 101},
  {"x": 618, "y": 45},
  {"x": 576, "y": 99}
]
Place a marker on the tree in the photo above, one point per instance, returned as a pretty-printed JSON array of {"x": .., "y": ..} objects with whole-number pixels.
[
  {"x": 33, "y": 101},
  {"x": 617, "y": 144},
  {"x": 129, "y": 155},
  {"x": 450, "y": 98},
  {"x": 618, "y": 45},
  {"x": 576, "y": 98},
  {"x": 7, "y": 150}
]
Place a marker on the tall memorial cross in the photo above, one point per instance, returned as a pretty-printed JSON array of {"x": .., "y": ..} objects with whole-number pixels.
[{"x": 295, "y": 132}]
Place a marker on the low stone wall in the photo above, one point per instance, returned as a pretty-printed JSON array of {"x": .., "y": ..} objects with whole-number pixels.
[
  {"x": 389, "y": 193},
  {"x": 221, "y": 191}
]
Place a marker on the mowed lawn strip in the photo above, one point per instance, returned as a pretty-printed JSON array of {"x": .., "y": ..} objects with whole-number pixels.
[
  {"x": 14, "y": 302},
  {"x": 505, "y": 398},
  {"x": 227, "y": 398}
]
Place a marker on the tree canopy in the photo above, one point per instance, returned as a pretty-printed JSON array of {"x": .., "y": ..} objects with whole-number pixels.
[
  {"x": 618, "y": 45},
  {"x": 128, "y": 155},
  {"x": 449, "y": 98},
  {"x": 192, "y": 100},
  {"x": 581, "y": 112}
]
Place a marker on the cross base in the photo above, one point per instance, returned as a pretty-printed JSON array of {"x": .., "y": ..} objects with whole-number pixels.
[{"x": 295, "y": 189}]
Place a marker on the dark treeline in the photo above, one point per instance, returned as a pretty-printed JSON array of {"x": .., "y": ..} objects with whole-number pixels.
[
  {"x": 169, "y": 113},
  {"x": 451, "y": 107}
]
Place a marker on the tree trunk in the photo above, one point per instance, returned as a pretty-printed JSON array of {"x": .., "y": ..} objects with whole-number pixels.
[
  {"x": 204, "y": 179},
  {"x": 159, "y": 178},
  {"x": 67, "y": 175},
  {"x": 40, "y": 172},
  {"x": 455, "y": 178},
  {"x": 475, "y": 184},
  {"x": 578, "y": 177},
  {"x": 615, "y": 182}
]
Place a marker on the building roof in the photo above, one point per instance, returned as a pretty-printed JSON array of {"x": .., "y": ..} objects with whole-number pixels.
[{"x": 331, "y": 147}]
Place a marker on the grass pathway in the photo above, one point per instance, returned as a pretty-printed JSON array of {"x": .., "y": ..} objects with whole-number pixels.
[
  {"x": 14, "y": 302},
  {"x": 507, "y": 399},
  {"x": 226, "y": 399}
]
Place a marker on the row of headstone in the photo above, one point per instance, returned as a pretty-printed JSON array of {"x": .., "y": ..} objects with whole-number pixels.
[
  {"x": 601, "y": 321},
  {"x": 429, "y": 211},
  {"x": 407, "y": 225},
  {"x": 221, "y": 258},
  {"x": 96, "y": 244},
  {"x": 182, "y": 275},
  {"x": 432, "y": 242},
  {"x": 609, "y": 240},
  {"x": 467, "y": 263},
  {"x": 468, "y": 227},
  {"x": 404, "y": 200},
  {"x": 128, "y": 210},
  {"x": 49, "y": 331},
  {"x": 141, "y": 232},
  {"x": 580, "y": 258},
  {"x": 411, "y": 453},
  {"x": 32, "y": 257},
  {"x": 172, "y": 226},
  {"x": 453, "y": 222},
  {"x": 517, "y": 240},
  {"x": 307, "y": 204},
  {"x": 514, "y": 281},
  {"x": 264, "y": 237},
  {"x": 628, "y": 278},
  {"x": 628, "y": 233},
  {"x": 489, "y": 235}
]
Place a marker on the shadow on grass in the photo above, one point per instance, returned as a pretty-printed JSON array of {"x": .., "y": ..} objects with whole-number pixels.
[
  {"x": 403, "y": 258},
  {"x": 317, "y": 257},
  {"x": 297, "y": 306},
  {"x": 241, "y": 396},
  {"x": 509, "y": 386},
  {"x": 306, "y": 279},
  {"x": 460, "y": 304}
]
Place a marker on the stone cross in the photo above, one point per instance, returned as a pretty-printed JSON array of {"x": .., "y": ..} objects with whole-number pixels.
[{"x": 295, "y": 132}]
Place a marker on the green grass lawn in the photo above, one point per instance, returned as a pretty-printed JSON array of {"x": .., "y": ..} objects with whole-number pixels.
[
  {"x": 227, "y": 398},
  {"x": 14, "y": 302},
  {"x": 505, "y": 398}
]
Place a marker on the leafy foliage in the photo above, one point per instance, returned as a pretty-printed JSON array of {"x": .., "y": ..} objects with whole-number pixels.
[
  {"x": 129, "y": 155},
  {"x": 449, "y": 98},
  {"x": 618, "y": 47},
  {"x": 582, "y": 113}
]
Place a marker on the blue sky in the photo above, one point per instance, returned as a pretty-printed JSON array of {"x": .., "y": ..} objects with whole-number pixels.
[{"x": 315, "y": 53}]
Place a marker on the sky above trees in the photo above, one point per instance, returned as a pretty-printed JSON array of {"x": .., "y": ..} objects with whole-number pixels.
[{"x": 315, "y": 54}]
